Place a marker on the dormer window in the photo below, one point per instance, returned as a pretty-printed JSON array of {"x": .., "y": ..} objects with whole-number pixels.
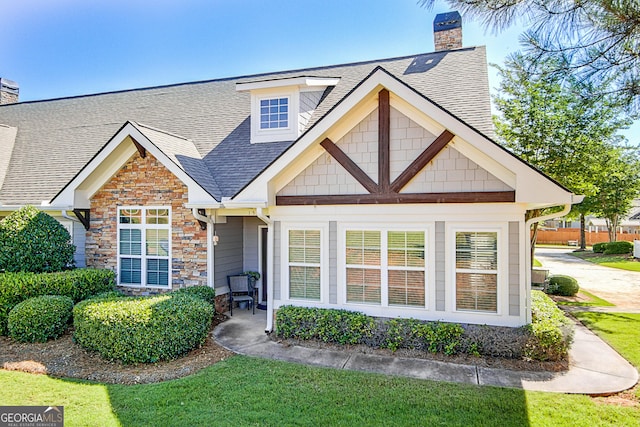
[
  {"x": 274, "y": 113},
  {"x": 280, "y": 109}
]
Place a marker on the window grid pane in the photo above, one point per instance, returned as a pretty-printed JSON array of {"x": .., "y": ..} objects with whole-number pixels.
[
  {"x": 130, "y": 216},
  {"x": 363, "y": 259},
  {"x": 130, "y": 271},
  {"x": 406, "y": 288},
  {"x": 274, "y": 113},
  {"x": 130, "y": 242},
  {"x": 158, "y": 272},
  {"x": 304, "y": 264},
  {"x": 476, "y": 271},
  {"x": 157, "y": 242}
]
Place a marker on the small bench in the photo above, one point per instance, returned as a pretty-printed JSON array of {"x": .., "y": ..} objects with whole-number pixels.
[{"x": 572, "y": 243}]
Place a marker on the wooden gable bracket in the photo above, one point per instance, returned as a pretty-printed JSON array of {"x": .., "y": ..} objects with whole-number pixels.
[
  {"x": 385, "y": 191},
  {"x": 84, "y": 216},
  {"x": 203, "y": 225},
  {"x": 140, "y": 148}
]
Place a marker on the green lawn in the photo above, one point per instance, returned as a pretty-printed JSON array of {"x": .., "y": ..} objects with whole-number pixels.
[
  {"x": 248, "y": 391},
  {"x": 596, "y": 301},
  {"x": 622, "y": 262}
]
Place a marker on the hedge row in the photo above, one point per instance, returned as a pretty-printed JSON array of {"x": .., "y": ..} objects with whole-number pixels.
[
  {"x": 76, "y": 284},
  {"x": 142, "y": 329},
  {"x": 613, "y": 248},
  {"x": 547, "y": 338}
]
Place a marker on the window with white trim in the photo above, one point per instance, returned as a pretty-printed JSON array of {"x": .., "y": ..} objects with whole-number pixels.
[
  {"x": 144, "y": 235},
  {"x": 406, "y": 263},
  {"x": 304, "y": 264},
  {"x": 477, "y": 271},
  {"x": 363, "y": 266},
  {"x": 274, "y": 113},
  {"x": 392, "y": 261}
]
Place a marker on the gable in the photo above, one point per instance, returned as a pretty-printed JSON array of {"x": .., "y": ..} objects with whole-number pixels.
[
  {"x": 175, "y": 153},
  {"x": 526, "y": 186},
  {"x": 449, "y": 171}
]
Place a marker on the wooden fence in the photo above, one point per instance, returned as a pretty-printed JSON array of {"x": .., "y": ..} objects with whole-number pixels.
[{"x": 562, "y": 236}]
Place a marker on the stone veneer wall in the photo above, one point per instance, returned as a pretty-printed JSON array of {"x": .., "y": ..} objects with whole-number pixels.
[
  {"x": 448, "y": 39},
  {"x": 146, "y": 182}
]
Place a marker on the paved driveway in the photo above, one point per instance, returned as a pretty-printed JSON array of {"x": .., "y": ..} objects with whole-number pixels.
[{"x": 619, "y": 287}]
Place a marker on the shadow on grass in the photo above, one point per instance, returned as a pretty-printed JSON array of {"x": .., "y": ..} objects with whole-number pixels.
[{"x": 249, "y": 391}]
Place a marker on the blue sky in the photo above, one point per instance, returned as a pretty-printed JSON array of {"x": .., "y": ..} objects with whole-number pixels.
[{"x": 72, "y": 47}]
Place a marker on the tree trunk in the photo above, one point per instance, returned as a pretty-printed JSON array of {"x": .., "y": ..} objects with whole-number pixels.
[
  {"x": 612, "y": 227},
  {"x": 534, "y": 236},
  {"x": 583, "y": 236}
]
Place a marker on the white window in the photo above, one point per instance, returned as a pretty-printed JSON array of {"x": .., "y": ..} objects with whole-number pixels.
[
  {"x": 274, "y": 113},
  {"x": 385, "y": 268},
  {"x": 363, "y": 266},
  {"x": 304, "y": 264},
  {"x": 476, "y": 271},
  {"x": 144, "y": 239},
  {"x": 406, "y": 261}
]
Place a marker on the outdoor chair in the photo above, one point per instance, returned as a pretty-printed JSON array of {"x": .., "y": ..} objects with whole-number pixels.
[{"x": 240, "y": 289}]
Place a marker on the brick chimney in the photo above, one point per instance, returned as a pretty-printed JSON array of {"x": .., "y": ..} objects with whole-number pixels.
[
  {"x": 8, "y": 91},
  {"x": 447, "y": 31}
]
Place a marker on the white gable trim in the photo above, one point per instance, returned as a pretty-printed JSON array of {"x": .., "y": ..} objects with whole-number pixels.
[
  {"x": 533, "y": 189},
  {"x": 111, "y": 158},
  {"x": 294, "y": 81}
]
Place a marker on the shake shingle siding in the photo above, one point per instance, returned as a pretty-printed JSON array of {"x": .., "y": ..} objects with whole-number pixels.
[{"x": 56, "y": 138}]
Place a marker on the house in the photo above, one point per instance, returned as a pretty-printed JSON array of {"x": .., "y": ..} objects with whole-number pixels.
[{"x": 372, "y": 186}]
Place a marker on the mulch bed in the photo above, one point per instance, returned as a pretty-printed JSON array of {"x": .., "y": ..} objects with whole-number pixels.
[{"x": 64, "y": 358}]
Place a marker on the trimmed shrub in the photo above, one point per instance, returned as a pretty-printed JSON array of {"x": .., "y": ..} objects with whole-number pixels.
[
  {"x": 618, "y": 248},
  {"x": 551, "y": 331},
  {"x": 205, "y": 293},
  {"x": 40, "y": 319},
  {"x": 109, "y": 295},
  {"x": 328, "y": 325},
  {"x": 142, "y": 329},
  {"x": 76, "y": 284},
  {"x": 599, "y": 247},
  {"x": 31, "y": 240},
  {"x": 547, "y": 338},
  {"x": 562, "y": 285},
  {"x": 435, "y": 337},
  {"x": 494, "y": 341}
]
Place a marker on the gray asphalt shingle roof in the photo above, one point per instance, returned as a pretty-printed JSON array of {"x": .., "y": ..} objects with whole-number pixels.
[{"x": 56, "y": 138}]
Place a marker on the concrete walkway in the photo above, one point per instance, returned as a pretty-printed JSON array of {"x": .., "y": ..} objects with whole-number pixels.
[{"x": 595, "y": 368}]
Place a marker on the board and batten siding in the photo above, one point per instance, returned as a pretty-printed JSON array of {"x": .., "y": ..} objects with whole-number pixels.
[
  {"x": 228, "y": 251},
  {"x": 79, "y": 239}
]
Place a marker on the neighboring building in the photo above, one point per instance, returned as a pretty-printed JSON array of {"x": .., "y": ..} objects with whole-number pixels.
[{"x": 371, "y": 186}]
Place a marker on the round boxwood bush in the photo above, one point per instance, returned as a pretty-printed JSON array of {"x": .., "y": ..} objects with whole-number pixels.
[
  {"x": 31, "y": 240},
  {"x": 205, "y": 293},
  {"x": 40, "y": 319},
  {"x": 142, "y": 329},
  {"x": 563, "y": 285}
]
